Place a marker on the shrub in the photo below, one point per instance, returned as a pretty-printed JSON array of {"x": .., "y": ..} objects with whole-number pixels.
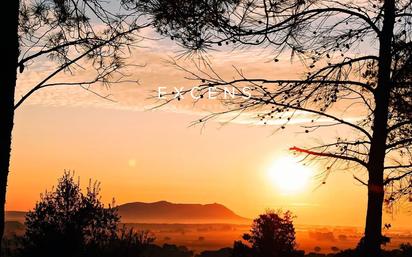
[
  {"x": 67, "y": 222},
  {"x": 272, "y": 235}
]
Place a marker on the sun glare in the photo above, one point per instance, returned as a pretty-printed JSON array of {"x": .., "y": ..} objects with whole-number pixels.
[{"x": 289, "y": 176}]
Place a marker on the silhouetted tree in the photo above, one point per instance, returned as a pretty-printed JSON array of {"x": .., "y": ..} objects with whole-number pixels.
[
  {"x": 66, "y": 222},
  {"x": 167, "y": 250},
  {"x": 241, "y": 250},
  {"x": 223, "y": 252},
  {"x": 126, "y": 243},
  {"x": 272, "y": 235},
  {"x": 67, "y": 34},
  {"x": 358, "y": 59}
]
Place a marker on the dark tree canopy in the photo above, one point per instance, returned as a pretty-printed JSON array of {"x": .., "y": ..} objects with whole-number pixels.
[
  {"x": 68, "y": 222},
  {"x": 65, "y": 221},
  {"x": 189, "y": 22},
  {"x": 357, "y": 59},
  {"x": 74, "y": 35},
  {"x": 331, "y": 39},
  {"x": 272, "y": 235}
]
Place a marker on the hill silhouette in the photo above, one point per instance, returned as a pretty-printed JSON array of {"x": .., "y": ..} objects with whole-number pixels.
[{"x": 167, "y": 212}]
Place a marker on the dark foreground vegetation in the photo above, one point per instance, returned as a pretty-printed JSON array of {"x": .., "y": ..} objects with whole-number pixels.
[
  {"x": 11, "y": 248},
  {"x": 69, "y": 223}
]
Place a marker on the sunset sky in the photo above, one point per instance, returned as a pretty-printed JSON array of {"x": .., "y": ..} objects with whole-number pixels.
[{"x": 149, "y": 155}]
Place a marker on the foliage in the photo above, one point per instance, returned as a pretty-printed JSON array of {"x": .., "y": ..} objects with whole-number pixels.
[
  {"x": 357, "y": 61},
  {"x": 168, "y": 250},
  {"x": 324, "y": 36},
  {"x": 187, "y": 22},
  {"x": 68, "y": 222},
  {"x": 272, "y": 235},
  {"x": 57, "y": 39},
  {"x": 223, "y": 252},
  {"x": 72, "y": 35}
]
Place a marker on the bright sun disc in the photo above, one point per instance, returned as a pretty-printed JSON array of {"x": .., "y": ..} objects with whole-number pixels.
[{"x": 289, "y": 176}]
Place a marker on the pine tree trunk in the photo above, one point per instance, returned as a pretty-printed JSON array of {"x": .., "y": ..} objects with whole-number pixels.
[
  {"x": 8, "y": 76},
  {"x": 373, "y": 233},
  {"x": 373, "y": 228}
]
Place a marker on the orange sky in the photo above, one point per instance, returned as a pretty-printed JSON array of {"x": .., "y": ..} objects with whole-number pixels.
[
  {"x": 141, "y": 155},
  {"x": 150, "y": 156}
]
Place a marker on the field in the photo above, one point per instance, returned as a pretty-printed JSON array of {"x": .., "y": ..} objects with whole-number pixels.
[{"x": 200, "y": 237}]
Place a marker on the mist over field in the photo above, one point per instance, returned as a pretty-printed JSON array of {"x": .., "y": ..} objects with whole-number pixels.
[{"x": 202, "y": 227}]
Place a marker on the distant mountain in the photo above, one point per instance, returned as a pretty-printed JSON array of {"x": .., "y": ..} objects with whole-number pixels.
[{"x": 166, "y": 212}]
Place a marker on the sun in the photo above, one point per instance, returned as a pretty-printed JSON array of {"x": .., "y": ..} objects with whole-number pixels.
[{"x": 289, "y": 176}]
